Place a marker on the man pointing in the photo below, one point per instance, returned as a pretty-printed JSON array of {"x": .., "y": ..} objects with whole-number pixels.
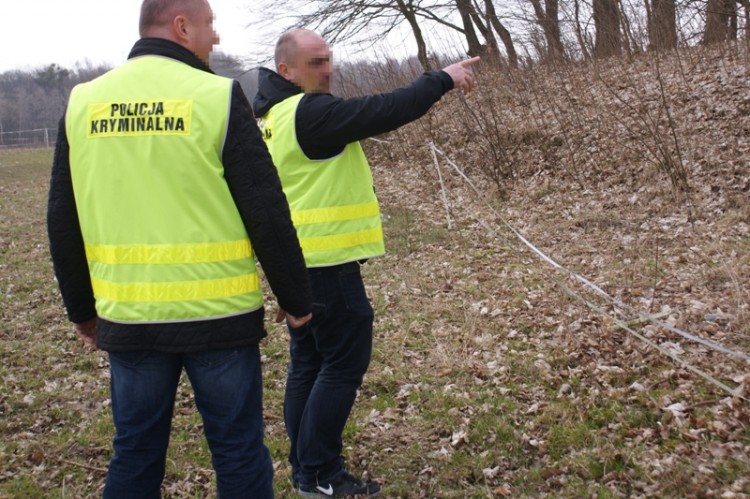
[{"x": 314, "y": 139}]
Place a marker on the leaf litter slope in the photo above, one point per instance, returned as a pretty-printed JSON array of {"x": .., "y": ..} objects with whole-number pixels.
[
  {"x": 557, "y": 399},
  {"x": 490, "y": 376}
]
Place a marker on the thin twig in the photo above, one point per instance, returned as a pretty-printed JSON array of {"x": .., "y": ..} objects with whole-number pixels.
[{"x": 442, "y": 186}]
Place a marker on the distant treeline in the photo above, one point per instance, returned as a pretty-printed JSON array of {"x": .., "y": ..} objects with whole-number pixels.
[{"x": 36, "y": 99}]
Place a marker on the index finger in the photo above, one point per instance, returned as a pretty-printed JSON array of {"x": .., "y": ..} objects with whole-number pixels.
[{"x": 469, "y": 62}]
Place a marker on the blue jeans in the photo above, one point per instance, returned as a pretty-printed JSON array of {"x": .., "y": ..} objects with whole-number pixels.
[
  {"x": 329, "y": 358},
  {"x": 228, "y": 393}
]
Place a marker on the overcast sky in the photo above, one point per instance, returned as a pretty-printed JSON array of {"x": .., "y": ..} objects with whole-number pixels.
[{"x": 36, "y": 33}]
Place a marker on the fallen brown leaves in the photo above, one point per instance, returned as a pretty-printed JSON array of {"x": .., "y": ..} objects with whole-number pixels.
[
  {"x": 587, "y": 404},
  {"x": 494, "y": 374}
]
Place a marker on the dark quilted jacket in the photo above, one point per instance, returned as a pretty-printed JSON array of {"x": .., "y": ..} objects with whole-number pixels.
[{"x": 255, "y": 187}]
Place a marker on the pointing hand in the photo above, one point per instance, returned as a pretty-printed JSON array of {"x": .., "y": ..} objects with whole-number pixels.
[{"x": 462, "y": 74}]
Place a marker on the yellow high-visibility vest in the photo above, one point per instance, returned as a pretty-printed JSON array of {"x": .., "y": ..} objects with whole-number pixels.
[
  {"x": 164, "y": 240},
  {"x": 333, "y": 202}
]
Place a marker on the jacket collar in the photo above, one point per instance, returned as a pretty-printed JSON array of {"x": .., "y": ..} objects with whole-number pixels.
[
  {"x": 167, "y": 48},
  {"x": 272, "y": 89}
]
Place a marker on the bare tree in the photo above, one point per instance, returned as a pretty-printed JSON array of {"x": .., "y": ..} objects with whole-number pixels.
[
  {"x": 37, "y": 99},
  {"x": 745, "y": 17},
  {"x": 502, "y": 32},
  {"x": 485, "y": 20},
  {"x": 547, "y": 17},
  {"x": 466, "y": 11},
  {"x": 662, "y": 25},
  {"x": 407, "y": 9},
  {"x": 226, "y": 65},
  {"x": 490, "y": 48},
  {"x": 607, "y": 24},
  {"x": 721, "y": 21},
  {"x": 368, "y": 21},
  {"x": 628, "y": 37},
  {"x": 580, "y": 32}
]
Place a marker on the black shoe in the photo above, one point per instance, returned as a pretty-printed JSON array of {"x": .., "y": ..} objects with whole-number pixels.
[{"x": 346, "y": 486}]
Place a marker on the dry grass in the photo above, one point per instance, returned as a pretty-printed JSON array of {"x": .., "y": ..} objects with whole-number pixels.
[{"x": 491, "y": 376}]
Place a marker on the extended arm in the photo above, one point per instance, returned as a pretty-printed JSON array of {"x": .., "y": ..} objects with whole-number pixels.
[{"x": 326, "y": 123}]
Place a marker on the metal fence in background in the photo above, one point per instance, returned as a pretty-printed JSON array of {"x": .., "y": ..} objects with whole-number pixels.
[{"x": 41, "y": 137}]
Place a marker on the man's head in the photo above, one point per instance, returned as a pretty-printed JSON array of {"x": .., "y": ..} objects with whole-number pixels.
[
  {"x": 304, "y": 58},
  {"x": 189, "y": 23}
]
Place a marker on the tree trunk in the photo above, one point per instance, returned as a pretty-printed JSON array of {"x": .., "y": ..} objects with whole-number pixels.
[
  {"x": 550, "y": 24},
  {"x": 465, "y": 9},
  {"x": 553, "y": 23},
  {"x": 579, "y": 32},
  {"x": 490, "y": 51},
  {"x": 721, "y": 20},
  {"x": 502, "y": 32},
  {"x": 628, "y": 43},
  {"x": 732, "y": 9},
  {"x": 607, "y": 26},
  {"x": 662, "y": 25},
  {"x": 411, "y": 18}
]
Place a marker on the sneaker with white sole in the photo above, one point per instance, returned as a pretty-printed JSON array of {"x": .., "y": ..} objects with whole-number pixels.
[{"x": 346, "y": 485}]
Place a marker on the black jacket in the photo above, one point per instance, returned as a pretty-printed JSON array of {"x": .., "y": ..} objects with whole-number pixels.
[
  {"x": 254, "y": 184},
  {"x": 325, "y": 124}
]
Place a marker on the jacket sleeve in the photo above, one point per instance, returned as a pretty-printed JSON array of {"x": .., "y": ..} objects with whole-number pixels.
[
  {"x": 65, "y": 238},
  {"x": 255, "y": 186},
  {"x": 325, "y": 122}
]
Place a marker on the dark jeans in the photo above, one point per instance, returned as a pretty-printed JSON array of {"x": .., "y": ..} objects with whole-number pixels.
[
  {"x": 228, "y": 393},
  {"x": 329, "y": 357}
]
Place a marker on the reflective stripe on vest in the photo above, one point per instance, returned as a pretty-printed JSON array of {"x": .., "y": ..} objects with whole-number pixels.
[
  {"x": 163, "y": 237},
  {"x": 333, "y": 202}
]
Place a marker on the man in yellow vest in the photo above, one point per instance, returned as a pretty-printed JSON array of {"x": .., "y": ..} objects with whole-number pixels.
[
  {"x": 314, "y": 139},
  {"x": 162, "y": 193}
]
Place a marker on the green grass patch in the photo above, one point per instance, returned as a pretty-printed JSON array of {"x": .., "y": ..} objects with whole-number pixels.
[{"x": 463, "y": 398}]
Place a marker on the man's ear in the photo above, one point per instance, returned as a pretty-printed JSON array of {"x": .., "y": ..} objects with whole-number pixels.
[
  {"x": 283, "y": 69},
  {"x": 180, "y": 27}
]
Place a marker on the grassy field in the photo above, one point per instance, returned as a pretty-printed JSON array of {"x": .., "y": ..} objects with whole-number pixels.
[
  {"x": 494, "y": 374},
  {"x": 478, "y": 388}
]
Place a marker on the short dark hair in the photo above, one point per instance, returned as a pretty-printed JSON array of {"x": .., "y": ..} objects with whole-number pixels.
[
  {"x": 158, "y": 13},
  {"x": 286, "y": 46}
]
